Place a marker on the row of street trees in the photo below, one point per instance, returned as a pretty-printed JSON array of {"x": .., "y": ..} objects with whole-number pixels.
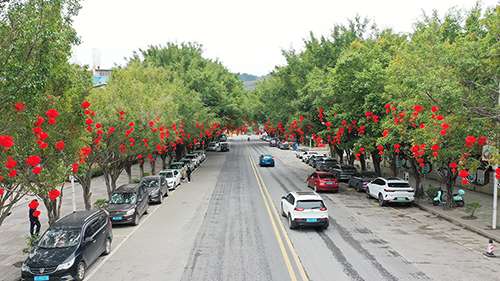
[
  {"x": 162, "y": 103},
  {"x": 417, "y": 96}
]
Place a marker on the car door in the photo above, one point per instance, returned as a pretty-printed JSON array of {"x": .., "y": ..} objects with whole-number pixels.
[
  {"x": 376, "y": 186},
  {"x": 286, "y": 204},
  {"x": 142, "y": 200},
  {"x": 312, "y": 179},
  {"x": 90, "y": 245},
  {"x": 354, "y": 179},
  {"x": 177, "y": 177},
  {"x": 163, "y": 185}
]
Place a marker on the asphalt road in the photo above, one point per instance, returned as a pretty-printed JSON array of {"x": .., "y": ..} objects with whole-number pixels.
[{"x": 225, "y": 226}]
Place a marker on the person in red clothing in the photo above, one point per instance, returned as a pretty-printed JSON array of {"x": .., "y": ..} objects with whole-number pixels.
[{"x": 34, "y": 221}]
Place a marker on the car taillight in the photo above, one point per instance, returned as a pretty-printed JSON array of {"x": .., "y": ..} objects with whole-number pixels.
[
  {"x": 323, "y": 209},
  {"x": 388, "y": 190},
  {"x": 299, "y": 209}
]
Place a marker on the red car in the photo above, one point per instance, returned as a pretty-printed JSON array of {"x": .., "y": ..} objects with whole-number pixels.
[{"x": 323, "y": 181}]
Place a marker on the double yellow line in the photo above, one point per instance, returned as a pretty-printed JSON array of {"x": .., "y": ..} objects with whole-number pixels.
[{"x": 276, "y": 221}]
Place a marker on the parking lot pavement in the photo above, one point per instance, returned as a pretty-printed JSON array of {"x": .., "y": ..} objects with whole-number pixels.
[{"x": 481, "y": 224}]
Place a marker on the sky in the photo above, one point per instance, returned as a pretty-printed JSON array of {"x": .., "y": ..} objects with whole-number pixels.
[{"x": 244, "y": 36}]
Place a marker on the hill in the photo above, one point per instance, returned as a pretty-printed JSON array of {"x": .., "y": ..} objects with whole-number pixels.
[{"x": 249, "y": 81}]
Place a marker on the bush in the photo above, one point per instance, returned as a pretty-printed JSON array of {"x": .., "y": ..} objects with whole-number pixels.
[
  {"x": 136, "y": 180},
  {"x": 146, "y": 174},
  {"x": 30, "y": 241},
  {"x": 97, "y": 172},
  {"x": 100, "y": 204},
  {"x": 472, "y": 207},
  {"x": 432, "y": 191}
]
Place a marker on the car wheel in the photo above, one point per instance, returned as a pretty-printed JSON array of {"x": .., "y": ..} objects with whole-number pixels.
[
  {"x": 368, "y": 193},
  {"x": 137, "y": 218},
  {"x": 358, "y": 187},
  {"x": 291, "y": 224},
  {"x": 80, "y": 271},
  {"x": 381, "y": 200},
  {"x": 409, "y": 204},
  {"x": 282, "y": 211},
  {"x": 107, "y": 247},
  {"x": 272, "y": 165}
]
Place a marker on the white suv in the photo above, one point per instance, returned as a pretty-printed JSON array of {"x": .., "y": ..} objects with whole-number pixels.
[
  {"x": 304, "y": 209},
  {"x": 390, "y": 190}
]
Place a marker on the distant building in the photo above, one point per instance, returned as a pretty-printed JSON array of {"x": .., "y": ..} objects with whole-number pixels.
[{"x": 101, "y": 77}]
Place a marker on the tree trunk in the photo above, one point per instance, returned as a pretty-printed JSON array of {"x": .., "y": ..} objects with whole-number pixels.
[
  {"x": 393, "y": 163},
  {"x": 12, "y": 194},
  {"x": 418, "y": 176},
  {"x": 362, "y": 161},
  {"x": 85, "y": 182},
  {"x": 376, "y": 162},
  {"x": 111, "y": 173},
  {"x": 128, "y": 169},
  {"x": 340, "y": 153},
  {"x": 141, "y": 168},
  {"x": 53, "y": 207}
]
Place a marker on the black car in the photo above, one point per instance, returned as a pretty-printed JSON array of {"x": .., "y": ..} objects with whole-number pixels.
[
  {"x": 342, "y": 171},
  {"x": 224, "y": 146},
  {"x": 360, "y": 179},
  {"x": 325, "y": 163},
  {"x": 273, "y": 142},
  {"x": 128, "y": 203},
  {"x": 157, "y": 187},
  {"x": 69, "y": 246}
]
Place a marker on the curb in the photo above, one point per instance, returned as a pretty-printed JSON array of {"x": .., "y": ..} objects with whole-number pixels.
[{"x": 457, "y": 222}]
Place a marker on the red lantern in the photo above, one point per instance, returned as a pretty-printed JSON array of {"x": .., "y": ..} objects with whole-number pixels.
[
  {"x": 33, "y": 160},
  {"x": 7, "y": 141},
  {"x": 54, "y": 193}
]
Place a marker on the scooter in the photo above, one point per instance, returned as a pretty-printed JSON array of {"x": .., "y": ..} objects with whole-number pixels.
[
  {"x": 248, "y": 139},
  {"x": 456, "y": 197}
]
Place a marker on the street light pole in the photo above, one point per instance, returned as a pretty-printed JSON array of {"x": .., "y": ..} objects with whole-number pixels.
[{"x": 73, "y": 192}]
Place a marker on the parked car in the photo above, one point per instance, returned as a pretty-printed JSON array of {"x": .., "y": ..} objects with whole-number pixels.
[
  {"x": 342, "y": 171},
  {"x": 308, "y": 155},
  {"x": 284, "y": 144},
  {"x": 202, "y": 154},
  {"x": 360, "y": 179},
  {"x": 189, "y": 162},
  {"x": 174, "y": 177},
  {"x": 325, "y": 163},
  {"x": 157, "y": 187},
  {"x": 178, "y": 166},
  {"x": 323, "y": 181},
  {"x": 213, "y": 146},
  {"x": 273, "y": 143},
  {"x": 195, "y": 157},
  {"x": 69, "y": 246},
  {"x": 128, "y": 203},
  {"x": 304, "y": 209},
  {"x": 300, "y": 151},
  {"x": 266, "y": 160},
  {"x": 224, "y": 146},
  {"x": 390, "y": 190},
  {"x": 314, "y": 159}
]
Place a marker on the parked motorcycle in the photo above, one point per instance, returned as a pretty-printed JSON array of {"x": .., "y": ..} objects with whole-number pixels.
[{"x": 440, "y": 199}]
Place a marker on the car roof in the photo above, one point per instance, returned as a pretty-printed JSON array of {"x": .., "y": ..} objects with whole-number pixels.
[
  {"x": 177, "y": 163},
  {"x": 306, "y": 195},
  {"x": 167, "y": 170},
  {"x": 266, "y": 155},
  {"x": 346, "y": 165},
  {"x": 75, "y": 219},
  {"x": 395, "y": 180},
  {"x": 126, "y": 188},
  {"x": 324, "y": 173}
]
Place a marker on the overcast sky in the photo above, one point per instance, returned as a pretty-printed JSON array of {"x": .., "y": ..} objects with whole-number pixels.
[{"x": 245, "y": 36}]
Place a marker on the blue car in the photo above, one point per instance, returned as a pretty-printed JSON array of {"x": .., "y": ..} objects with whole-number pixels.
[{"x": 266, "y": 160}]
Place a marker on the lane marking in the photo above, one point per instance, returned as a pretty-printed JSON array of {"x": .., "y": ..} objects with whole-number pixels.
[{"x": 268, "y": 201}]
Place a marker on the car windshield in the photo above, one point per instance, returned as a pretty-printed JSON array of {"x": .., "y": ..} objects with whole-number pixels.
[
  {"x": 350, "y": 169},
  {"x": 59, "y": 238},
  {"x": 310, "y": 204},
  {"x": 150, "y": 183},
  {"x": 167, "y": 174},
  {"x": 326, "y": 176},
  {"x": 398, "y": 184},
  {"x": 267, "y": 157},
  {"x": 176, "y": 166},
  {"x": 123, "y": 198}
]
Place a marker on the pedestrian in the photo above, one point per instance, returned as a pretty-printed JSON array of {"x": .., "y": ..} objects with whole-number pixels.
[
  {"x": 184, "y": 174},
  {"x": 188, "y": 172},
  {"x": 33, "y": 215}
]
